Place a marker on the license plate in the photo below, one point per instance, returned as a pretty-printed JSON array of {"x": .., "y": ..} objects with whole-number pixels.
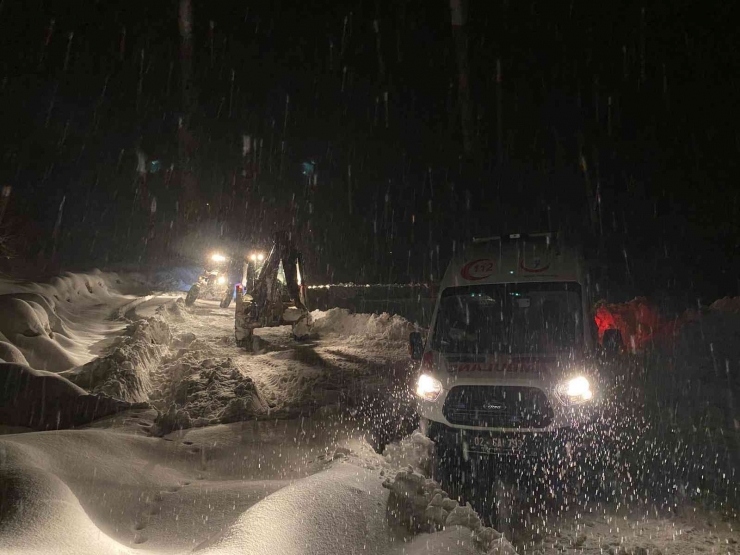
[{"x": 495, "y": 445}]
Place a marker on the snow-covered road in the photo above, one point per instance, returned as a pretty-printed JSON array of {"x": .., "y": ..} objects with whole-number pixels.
[
  {"x": 127, "y": 483},
  {"x": 234, "y": 452}
]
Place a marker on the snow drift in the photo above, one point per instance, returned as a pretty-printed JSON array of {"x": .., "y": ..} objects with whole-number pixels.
[
  {"x": 56, "y": 326},
  {"x": 40, "y": 514},
  {"x": 170, "y": 495},
  {"x": 336, "y": 512}
]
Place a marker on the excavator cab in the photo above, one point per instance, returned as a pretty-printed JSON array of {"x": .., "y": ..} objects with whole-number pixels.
[{"x": 278, "y": 296}]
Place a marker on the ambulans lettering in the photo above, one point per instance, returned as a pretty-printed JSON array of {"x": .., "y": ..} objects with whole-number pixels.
[{"x": 510, "y": 367}]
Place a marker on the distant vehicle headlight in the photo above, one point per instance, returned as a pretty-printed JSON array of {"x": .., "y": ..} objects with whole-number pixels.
[
  {"x": 575, "y": 391},
  {"x": 218, "y": 257},
  {"x": 221, "y": 280},
  {"x": 260, "y": 257},
  {"x": 256, "y": 257},
  {"x": 428, "y": 388}
]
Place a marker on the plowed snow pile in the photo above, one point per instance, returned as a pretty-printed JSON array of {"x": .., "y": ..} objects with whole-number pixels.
[
  {"x": 125, "y": 373},
  {"x": 183, "y": 377},
  {"x": 77, "y": 327},
  {"x": 362, "y": 327},
  {"x": 49, "y": 332},
  {"x": 197, "y": 391}
]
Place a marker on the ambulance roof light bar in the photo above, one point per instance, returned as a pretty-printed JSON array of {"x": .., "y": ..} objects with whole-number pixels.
[{"x": 514, "y": 236}]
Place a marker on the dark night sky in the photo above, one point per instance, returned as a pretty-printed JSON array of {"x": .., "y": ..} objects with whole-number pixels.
[{"x": 645, "y": 91}]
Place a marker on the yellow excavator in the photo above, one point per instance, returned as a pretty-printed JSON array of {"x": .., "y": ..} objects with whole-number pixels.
[{"x": 278, "y": 296}]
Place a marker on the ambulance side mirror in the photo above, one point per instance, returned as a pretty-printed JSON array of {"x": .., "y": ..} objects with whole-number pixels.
[{"x": 416, "y": 345}]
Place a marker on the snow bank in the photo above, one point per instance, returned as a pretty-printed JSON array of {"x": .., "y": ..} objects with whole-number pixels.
[
  {"x": 29, "y": 322},
  {"x": 420, "y": 505},
  {"x": 56, "y": 326},
  {"x": 40, "y": 330},
  {"x": 189, "y": 387},
  {"x": 43, "y": 400},
  {"x": 415, "y": 451},
  {"x": 125, "y": 373},
  {"x": 350, "y": 508},
  {"x": 59, "y": 327},
  {"x": 374, "y": 327},
  {"x": 11, "y": 353},
  {"x": 149, "y": 361}
]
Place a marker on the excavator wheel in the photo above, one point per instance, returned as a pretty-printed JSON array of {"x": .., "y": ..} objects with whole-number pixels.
[
  {"x": 192, "y": 295},
  {"x": 226, "y": 301}
]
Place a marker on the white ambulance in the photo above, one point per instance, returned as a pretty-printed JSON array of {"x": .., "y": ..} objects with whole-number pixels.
[{"x": 507, "y": 363}]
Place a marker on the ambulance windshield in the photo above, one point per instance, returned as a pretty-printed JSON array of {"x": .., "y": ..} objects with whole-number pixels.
[{"x": 509, "y": 318}]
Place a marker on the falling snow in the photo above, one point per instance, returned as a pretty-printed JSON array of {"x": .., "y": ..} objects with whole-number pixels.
[{"x": 381, "y": 137}]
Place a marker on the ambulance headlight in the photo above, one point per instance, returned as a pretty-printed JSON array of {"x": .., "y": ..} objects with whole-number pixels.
[
  {"x": 428, "y": 388},
  {"x": 575, "y": 391}
]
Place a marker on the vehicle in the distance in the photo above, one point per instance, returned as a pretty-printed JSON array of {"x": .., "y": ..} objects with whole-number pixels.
[
  {"x": 506, "y": 369},
  {"x": 212, "y": 282}
]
